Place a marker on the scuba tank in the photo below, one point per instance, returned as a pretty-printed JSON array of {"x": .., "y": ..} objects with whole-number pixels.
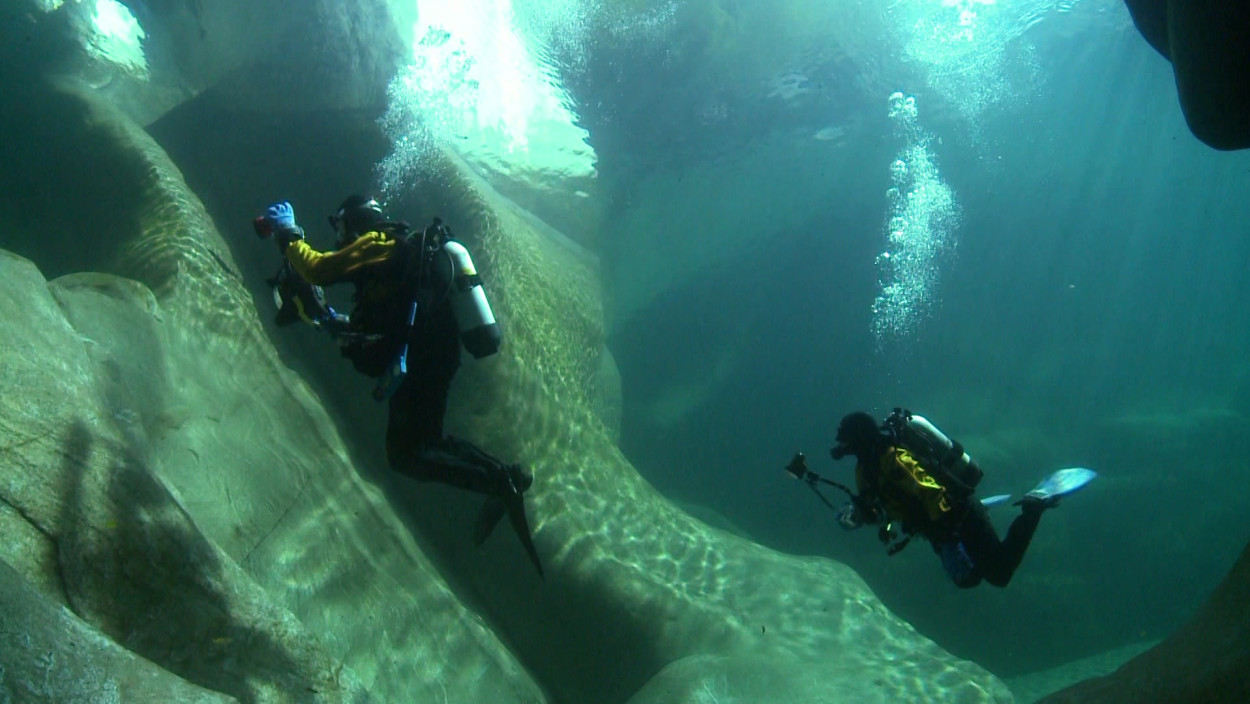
[
  {"x": 940, "y": 455},
  {"x": 479, "y": 332}
]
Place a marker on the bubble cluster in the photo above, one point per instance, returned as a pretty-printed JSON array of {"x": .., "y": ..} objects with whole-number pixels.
[
  {"x": 922, "y": 217},
  {"x": 902, "y": 107}
]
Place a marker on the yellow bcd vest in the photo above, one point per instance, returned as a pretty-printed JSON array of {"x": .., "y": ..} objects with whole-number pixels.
[{"x": 906, "y": 488}]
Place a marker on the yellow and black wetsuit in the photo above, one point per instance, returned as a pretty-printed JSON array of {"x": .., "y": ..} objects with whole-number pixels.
[
  {"x": 389, "y": 276},
  {"x": 909, "y": 495},
  {"x": 907, "y": 492},
  {"x": 378, "y": 266},
  {"x": 324, "y": 268}
]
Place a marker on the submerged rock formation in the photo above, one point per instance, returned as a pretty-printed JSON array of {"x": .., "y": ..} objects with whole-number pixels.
[
  {"x": 1206, "y": 45},
  {"x": 186, "y": 522},
  {"x": 1207, "y": 661},
  {"x": 179, "y": 491},
  {"x": 161, "y": 499}
]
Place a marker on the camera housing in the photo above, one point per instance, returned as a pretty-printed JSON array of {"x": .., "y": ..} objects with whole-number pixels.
[
  {"x": 263, "y": 227},
  {"x": 798, "y": 466}
]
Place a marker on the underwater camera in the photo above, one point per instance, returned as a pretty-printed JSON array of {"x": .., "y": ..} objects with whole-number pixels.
[
  {"x": 262, "y": 227},
  {"x": 798, "y": 466}
]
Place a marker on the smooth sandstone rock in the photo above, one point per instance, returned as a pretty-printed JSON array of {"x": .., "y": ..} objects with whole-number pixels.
[
  {"x": 206, "y": 514},
  {"x": 66, "y": 660},
  {"x": 1207, "y": 661}
]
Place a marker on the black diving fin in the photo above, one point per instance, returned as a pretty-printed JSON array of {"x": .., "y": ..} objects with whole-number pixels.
[
  {"x": 516, "y": 514},
  {"x": 487, "y": 518},
  {"x": 493, "y": 510}
]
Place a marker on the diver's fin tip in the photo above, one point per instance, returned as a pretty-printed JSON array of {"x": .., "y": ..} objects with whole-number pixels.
[
  {"x": 487, "y": 518},
  {"x": 521, "y": 524}
]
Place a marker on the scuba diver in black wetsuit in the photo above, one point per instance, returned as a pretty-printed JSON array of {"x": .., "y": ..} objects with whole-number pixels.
[
  {"x": 417, "y": 300},
  {"x": 913, "y": 480}
]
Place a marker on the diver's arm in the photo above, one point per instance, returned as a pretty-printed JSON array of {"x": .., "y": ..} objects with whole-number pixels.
[
  {"x": 857, "y": 514},
  {"x": 322, "y": 268},
  {"x": 862, "y": 511}
]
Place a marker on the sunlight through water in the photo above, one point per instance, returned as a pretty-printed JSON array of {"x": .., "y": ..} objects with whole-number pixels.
[
  {"x": 116, "y": 38},
  {"x": 482, "y": 87}
]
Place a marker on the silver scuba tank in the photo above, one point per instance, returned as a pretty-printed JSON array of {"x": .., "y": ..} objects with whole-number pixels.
[
  {"x": 941, "y": 446},
  {"x": 479, "y": 332},
  {"x": 933, "y": 446}
]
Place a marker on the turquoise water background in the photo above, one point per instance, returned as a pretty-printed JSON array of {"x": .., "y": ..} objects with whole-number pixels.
[
  {"x": 1063, "y": 286},
  {"x": 1087, "y": 308}
]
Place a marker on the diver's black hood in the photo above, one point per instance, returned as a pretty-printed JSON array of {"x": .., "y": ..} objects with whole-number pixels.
[{"x": 859, "y": 435}]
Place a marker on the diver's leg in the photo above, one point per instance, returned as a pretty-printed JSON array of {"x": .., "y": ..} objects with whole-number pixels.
[
  {"x": 998, "y": 560},
  {"x": 460, "y": 464},
  {"x": 415, "y": 444},
  {"x": 415, "y": 417}
]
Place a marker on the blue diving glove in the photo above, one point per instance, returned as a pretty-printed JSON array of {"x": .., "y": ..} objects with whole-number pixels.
[{"x": 281, "y": 219}]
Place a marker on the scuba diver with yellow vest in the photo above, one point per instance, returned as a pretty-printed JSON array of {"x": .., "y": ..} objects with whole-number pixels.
[
  {"x": 913, "y": 480},
  {"x": 418, "y": 299}
]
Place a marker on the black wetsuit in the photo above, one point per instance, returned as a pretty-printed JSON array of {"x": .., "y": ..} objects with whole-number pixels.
[
  {"x": 993, "y": 560},
  {"x": 389, "y": 274},
  {"x": 964, "y": 538}
]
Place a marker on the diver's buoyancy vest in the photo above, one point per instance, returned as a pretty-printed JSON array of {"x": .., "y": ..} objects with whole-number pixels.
[
  {"x": 943, "y": 458},
  {"x": 909, "y": 493},
  {"x": 440, "y": 275}
]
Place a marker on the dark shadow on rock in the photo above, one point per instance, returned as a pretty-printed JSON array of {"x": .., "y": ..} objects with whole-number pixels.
[{"x": 137, "y": 568}]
